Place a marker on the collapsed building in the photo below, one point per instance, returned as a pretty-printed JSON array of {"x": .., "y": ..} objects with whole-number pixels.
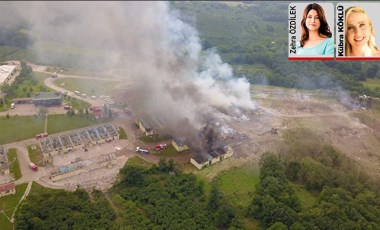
[
  {"x": 216, "y": 155},
  {"x": 4, "y": 165},
  {"x": 7, "y": 189},
  {"x": 6, "y": 73},
  {"x": 83, "y": 138},
  {"x": 179, "y": 145},
  {"x": 67, "y": 171}
]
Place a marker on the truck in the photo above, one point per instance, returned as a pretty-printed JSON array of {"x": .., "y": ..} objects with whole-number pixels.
[
  {"x": 160, "y": 147},
  {"x": 13, "y": 105},
  {"x": 141, "y": 150},
  {"x": 33, "y": 167}
]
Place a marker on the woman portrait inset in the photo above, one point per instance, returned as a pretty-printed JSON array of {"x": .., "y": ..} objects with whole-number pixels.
[
  {"x": 360, "y": 35},
  {"x": 316, "y": 37}
]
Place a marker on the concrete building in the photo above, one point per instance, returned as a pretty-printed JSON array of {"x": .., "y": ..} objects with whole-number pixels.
[
  {"x": 6, "y": 72},
  {"x": 179, "y": 145},
  {"x": 47, "y": 99},
  {"x": 7, "y": 189},
  {"x": 217, "y": 155},
  {"x": 144, "y": 127},
  {"x": 4, "y": 166}
]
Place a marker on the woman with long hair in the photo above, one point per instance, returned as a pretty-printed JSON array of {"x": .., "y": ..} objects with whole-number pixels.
[{"x": 316, "y": 37}]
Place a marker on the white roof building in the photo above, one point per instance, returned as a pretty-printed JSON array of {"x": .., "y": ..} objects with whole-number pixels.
[{"x": 6, "y": 71}]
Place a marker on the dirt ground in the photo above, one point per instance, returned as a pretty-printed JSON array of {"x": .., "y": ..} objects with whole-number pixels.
[{"x": 318, "y": 111}]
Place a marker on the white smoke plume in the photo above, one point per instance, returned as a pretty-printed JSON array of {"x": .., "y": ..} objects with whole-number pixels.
[{"x": 175, "y": 82}]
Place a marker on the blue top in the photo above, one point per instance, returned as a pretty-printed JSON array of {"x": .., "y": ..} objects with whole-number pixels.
[{"x": 326, "y": 47}]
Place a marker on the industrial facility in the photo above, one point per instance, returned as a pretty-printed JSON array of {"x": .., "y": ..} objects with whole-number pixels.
[
  {"x": 47, "y": 99},
  {"x": 83, "y": 138}
]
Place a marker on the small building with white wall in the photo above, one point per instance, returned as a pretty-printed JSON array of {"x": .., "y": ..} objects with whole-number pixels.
[
  {"x": 7, "y": 189},
  {"x": 6, "y": 72},
  {"x": 217, "y": 155}
]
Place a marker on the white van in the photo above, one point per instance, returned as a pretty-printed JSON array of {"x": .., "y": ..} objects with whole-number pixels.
[{"x": 13, "y": 105}]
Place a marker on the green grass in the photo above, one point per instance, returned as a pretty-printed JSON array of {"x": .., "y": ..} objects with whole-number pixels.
[
  {"x": 41, "y": 78},
  {"x": 306, "y": 198},
  {"x": 75, "y": 103},
  {"x": 137, "y": 161},
  {"x": 170, "y": 151},
  {"x": 372, "y": 83},
  {"x": 35, "y": 155},
  {"x": 238, "y": 184},
  {"x": 38, "y": 189},
  {"x": 87, "y": 86},
  {"x": 14, "y": 167},
  {"x": 5, "y": 224},
  {"x": 8, "y": 203},
  {"x": 61, "y": 122},
  {"x": 123, "y": 135},
  {"x": 153, "y": 138},
  {"x": 19, "y": 128}
]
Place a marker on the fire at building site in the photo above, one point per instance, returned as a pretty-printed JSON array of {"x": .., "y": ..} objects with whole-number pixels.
[{"x": 158, "y": 55}]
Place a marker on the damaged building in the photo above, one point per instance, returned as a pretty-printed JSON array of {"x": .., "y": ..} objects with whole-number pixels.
[
  {"x": 214, "y": 156},
  {"x": 47, "y": 99}
]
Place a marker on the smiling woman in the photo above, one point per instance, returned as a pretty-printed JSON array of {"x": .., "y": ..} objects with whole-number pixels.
[
  {"x": 360, "y": 39},
  {"x": 316, "y": 37}
]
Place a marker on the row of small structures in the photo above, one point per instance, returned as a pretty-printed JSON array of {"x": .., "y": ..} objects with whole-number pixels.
[
  {"x": 83, "y": 138},
  {"x": 7, "y": 186}
]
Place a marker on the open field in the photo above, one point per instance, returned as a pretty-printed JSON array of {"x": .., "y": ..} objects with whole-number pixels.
[
  {"x": 60, "y": 122},
  {"x": 372, "y": 83},
  {"x": 7, "y": 206},
  {"x": 35, "y": 154},
  {"x": 238, "y": 184},
  {"x": 89, "y": 87},
  {"x": 19, "y": 128},
  {"x": 14, "y": 167}
]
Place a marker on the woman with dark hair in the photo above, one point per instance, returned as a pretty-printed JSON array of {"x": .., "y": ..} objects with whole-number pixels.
[{"x": 316, "y": 37}]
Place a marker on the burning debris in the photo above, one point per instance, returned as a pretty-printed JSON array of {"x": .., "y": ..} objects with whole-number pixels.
[{"x": 169, "y": 74}]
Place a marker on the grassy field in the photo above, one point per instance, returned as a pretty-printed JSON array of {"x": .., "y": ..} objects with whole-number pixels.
[
  {"x": 41, "y": 77},
  {"x": 14, "y": 164},
  {"x": 238, "y": 184},
  {"x": 8, "y": 204},
  {"x": 87, "y": 86},
  {"x": 123, "y": 135},
  {"x": 19, "y": 128},
  {"x": 137, "y": 161},
  {"x": 35, "y": 154},
  {"x": 170, "y": 151},
  {"x": 372, "y": 83},
  {"x": 75, "y": 103},
  {"x": 153, "y": 138},
  {"x": 59, "y": 122}
]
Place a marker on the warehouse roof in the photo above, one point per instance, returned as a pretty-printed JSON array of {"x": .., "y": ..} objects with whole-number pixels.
[
  {"x": 47, "y": 96},
  {"x": 5, "y": 71}
]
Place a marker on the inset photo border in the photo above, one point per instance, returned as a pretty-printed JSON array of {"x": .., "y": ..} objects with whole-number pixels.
[
  {"x": 356, "y": 36},
  {"x": 319, "y": 47}
]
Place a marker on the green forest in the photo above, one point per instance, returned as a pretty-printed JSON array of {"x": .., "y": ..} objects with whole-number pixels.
[{"x": 162, "y": 197}]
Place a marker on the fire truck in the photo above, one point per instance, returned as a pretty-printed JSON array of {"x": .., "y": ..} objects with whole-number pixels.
[
  {"x": 33, "y": 167},
  {"x": 160, "y": 147}
]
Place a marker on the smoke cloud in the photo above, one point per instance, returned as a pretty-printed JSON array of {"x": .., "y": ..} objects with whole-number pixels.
[{"x": 176, "y": 85}]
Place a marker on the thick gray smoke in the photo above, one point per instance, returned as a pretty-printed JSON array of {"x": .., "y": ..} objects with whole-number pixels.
[{"x": 175, "y": 83}]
